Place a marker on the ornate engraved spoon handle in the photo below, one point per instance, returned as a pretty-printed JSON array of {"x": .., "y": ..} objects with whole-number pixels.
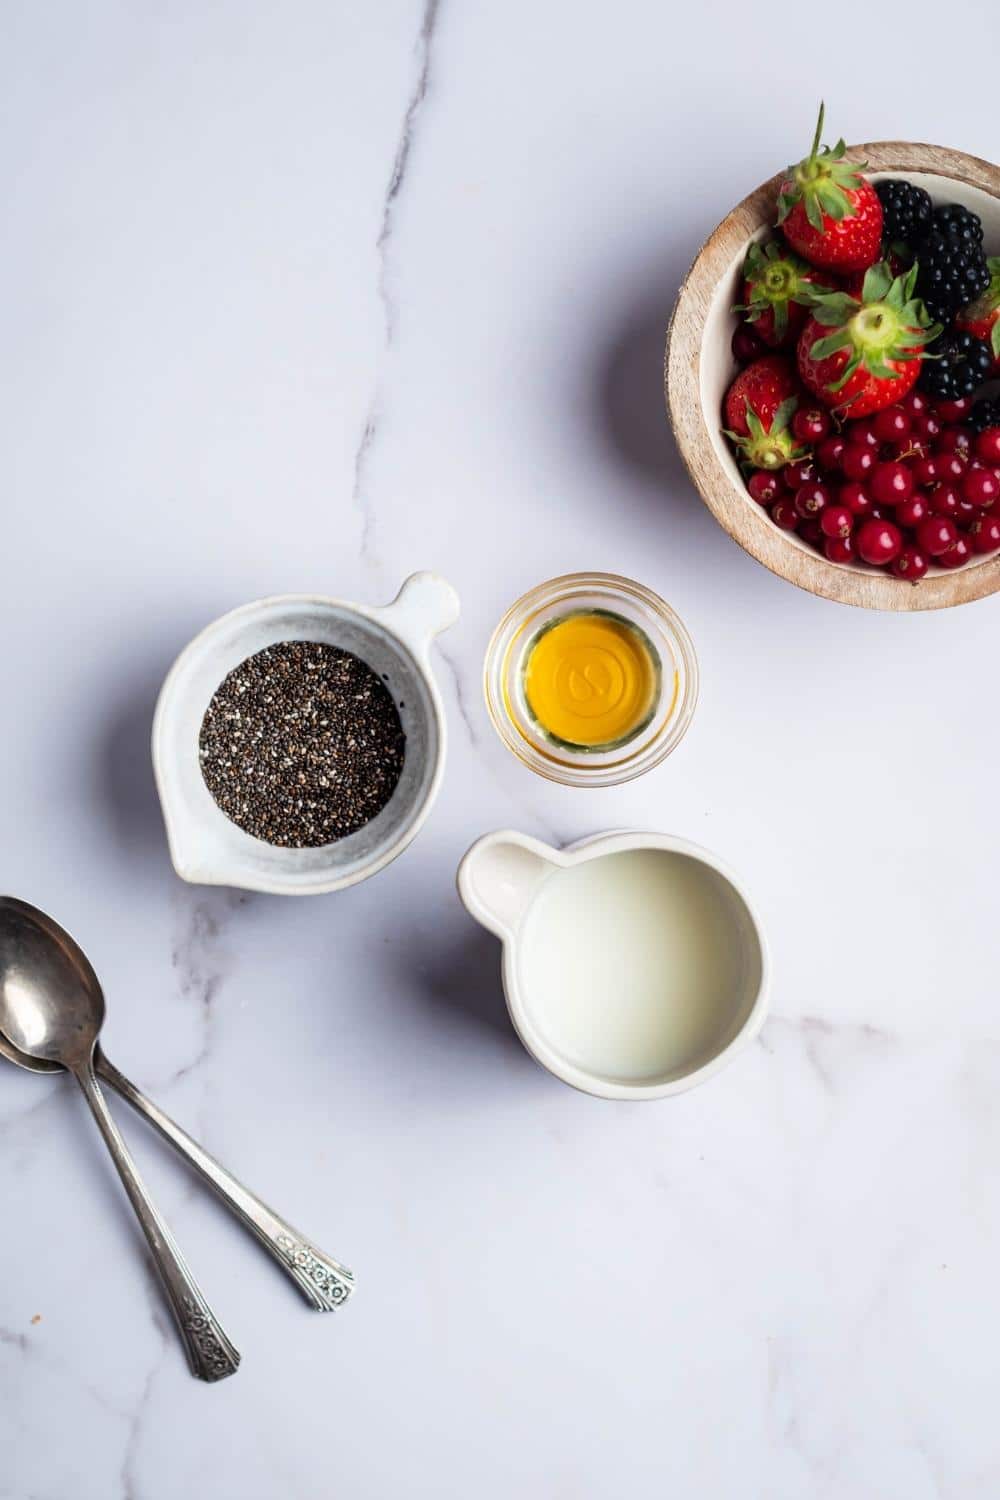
[
  {"x": 209, "y": 1351},
  {"x": 322, "y": 1281}
]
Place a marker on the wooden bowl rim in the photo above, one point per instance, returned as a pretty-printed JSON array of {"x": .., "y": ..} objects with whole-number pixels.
[{"x": 745, "y": 521}]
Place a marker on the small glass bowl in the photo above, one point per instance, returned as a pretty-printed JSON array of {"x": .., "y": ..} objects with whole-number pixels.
[{"x": 605, "y": 765}]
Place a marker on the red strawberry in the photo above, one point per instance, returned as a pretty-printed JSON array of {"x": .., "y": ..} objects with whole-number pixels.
[
  {"x": 759, "y": 407},
  {"x": 982, "y": 317},
  {"x": 828, "y": 212},
  {"x": 865, "y": 353},
  {"x": 777, "y": 289}
]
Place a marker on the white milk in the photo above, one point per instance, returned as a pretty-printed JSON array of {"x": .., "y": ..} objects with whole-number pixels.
[{"x": 630, "y": 966}]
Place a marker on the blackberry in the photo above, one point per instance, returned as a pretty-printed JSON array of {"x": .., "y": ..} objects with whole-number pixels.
[
  {"x": 952, "y": 273},
  {"x": 906, "y": 211},
  {"x": 960, "y": 222},
  {"x": 985, "y": 413},
  {"x": 957, "y": 365}
]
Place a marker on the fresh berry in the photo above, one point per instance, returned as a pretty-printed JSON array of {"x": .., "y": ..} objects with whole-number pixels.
[
  {"x": 890, "y": 483},
  {"x": 915, "y": 402},
  {"x": 912, "y": 511},
  {"x": 764, "y": 486},
  {"x": 855, "y": 498},
  {"x": 911, "y": 564},
  {"x": 811, "y": 532},
  {"x": 957, "y": 440},
  {"x": 830, "y": 452},
  {"x": 857, "y": 462},
  {"x": 984, "y": 534},
  {"x": 906, "y": 211},
  {"x": 759, "y": 407},
  {"x": 925, "y": 472},
  {"x": 981, "y": 487},
  {"x": 985, "y": 413},
  {"x": 828, "y": 211},
  {"x": 811, "y": 498},
  {"x": 926, "y": 425},
  {"x": 802, "y": 471},
  {"x": 988, "y": 445},
  {"x": 747, "y": 346},
  {"x": 957, "y": 554},
  {"x": 957, "y": 364},
  {"x": 982, "y": 317},
  {"x": 864, "y": 355},
  {"x": 863, "y": 433},
  {"x": 949, "y": 466},
  {"x": 953, "y": 411},
  {"x": 946, "y": 500},
  {"x": 891, "y": 425},
  {"x": 839, "y": 549},
  {"x": 951, "y": 273},
  {"x": 777, "y": 287},
  {"x": 958, "y": 221},
  {"x": 784, "y": 514},
  {"x": 811, "y": 424},
  {"x": 878, "y": 542},
  {"x": 836, "y": 520},
  {"x": 936, "y": 534}
]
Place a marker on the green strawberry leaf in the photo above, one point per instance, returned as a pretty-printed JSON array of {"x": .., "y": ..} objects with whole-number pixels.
[
  {"x": 995, "y": 339},
  {"x": 784, "y": 414}
]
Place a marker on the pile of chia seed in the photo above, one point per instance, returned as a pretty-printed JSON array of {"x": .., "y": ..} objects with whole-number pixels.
[{"x": 301, "y": 744}]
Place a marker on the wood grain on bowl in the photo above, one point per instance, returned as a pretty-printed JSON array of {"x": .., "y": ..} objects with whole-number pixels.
[{"x": 699, "y": 367}]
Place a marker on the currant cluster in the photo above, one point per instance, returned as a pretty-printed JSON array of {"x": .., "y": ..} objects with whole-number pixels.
[{"x": 910, "y": 486}]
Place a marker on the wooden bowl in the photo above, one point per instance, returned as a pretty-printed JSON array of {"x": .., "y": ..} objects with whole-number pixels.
[{"x": 699, "y": 367}]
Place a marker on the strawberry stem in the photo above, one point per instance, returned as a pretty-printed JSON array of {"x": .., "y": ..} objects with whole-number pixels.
[{"x": 816, "y": 138}]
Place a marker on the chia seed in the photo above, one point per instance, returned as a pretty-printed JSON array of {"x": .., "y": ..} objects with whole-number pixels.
[{"x": 301, "y": 744}]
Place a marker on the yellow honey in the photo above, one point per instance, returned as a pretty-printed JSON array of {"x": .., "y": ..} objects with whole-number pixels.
[{"x": 591, "y": 679}]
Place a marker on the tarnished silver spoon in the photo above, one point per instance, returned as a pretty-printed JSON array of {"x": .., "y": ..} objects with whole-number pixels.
[
  {"x": 323, "y": 1281},
  {"x": 52, "y": 1009}
]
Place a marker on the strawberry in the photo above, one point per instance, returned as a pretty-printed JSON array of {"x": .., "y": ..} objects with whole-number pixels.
[
  {"x": 865, "y": 353},
  {"x": 982, "y": 317},
  {"x": 777, "y": 289},
  {"x": 828, "y": 212},
  {"x": 759, "y": 407}
]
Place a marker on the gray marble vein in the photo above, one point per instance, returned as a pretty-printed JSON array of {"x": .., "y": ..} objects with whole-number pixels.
[{"x": 397, "y": 178}]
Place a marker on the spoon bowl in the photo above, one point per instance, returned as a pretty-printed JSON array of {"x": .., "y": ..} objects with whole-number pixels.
[{"x": 51, "y": 1001}]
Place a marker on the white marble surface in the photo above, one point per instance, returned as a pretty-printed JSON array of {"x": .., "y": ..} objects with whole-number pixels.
[{"x": 306, "y": 296}]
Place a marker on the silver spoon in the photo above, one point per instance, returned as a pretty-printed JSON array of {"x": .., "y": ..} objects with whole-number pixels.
[
  {"x": 52, "y": 1008},
  {"x": 324, "y": 1282}
]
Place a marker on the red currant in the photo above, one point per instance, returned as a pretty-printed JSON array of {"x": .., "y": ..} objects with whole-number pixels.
[
  {"x": 862, "y": 433},
  {"x": 936, "y": 534},
  {"x": 915, "y": 402},
  {"x": 953, "y": 411},
  {"x": 957, "y": 554},
  {"x": 980, "y": 487},
  {"x": 836, "y": 520},
  {"x": 911, "y": 564},
  {"x": 890, "y": 483},
  {"x": 984, "y": 534},
  {"x": 925, "y": 425},
  {"x": 747, "y": 345},
  {"x": 829, "y": 452},
  {"x": 811, "y": 424},
  {"x": 811, "y": 532},
  {"x": 855, "y": 498},
  {"x": 765, "y": 487},
  {"x": 803, "y": 471},
  {"x": 839, "y": 549},
  {"x": 988, "y": 445},
  {"x": 955, "y": 440},
  {"x": 946, "y": 500},
  {"x": 878, "y": 542},
  {"x": 925, "y": 472},
  {"x": 891, "y": 425},
  {"x": 784, "y": 514},
  {"x": 949, "y": 465},
  {"x": 858, "y": 462},
  {"x": 912, "y": 511},
  {"x": 811, "y": 498}
]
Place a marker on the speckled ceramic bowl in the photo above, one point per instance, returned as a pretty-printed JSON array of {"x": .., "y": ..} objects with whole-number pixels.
[{"x": 206, "y": 847}]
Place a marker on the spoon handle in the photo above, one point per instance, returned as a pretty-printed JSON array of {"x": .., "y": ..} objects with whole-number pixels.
[
  {"x": 210, "y": 1353},
  {"x": 324, "y": 1282}
]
